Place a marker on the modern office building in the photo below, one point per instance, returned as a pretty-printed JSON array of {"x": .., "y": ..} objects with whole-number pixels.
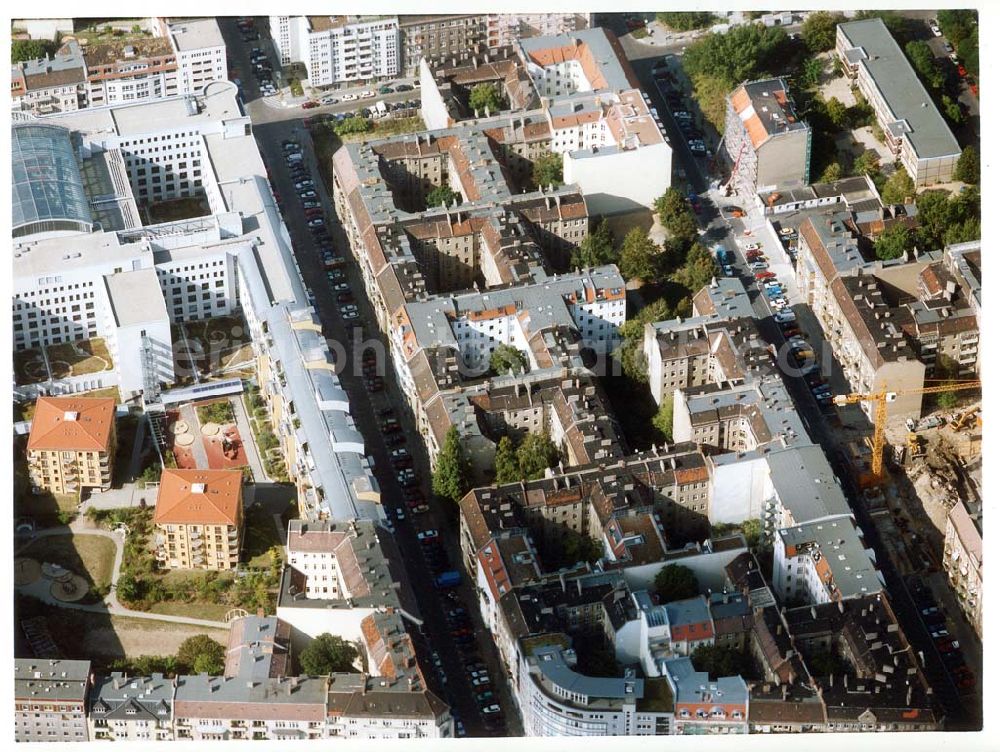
[
  {"x": 72, "y": 444},
  {"x": 199, "y": 519},
  {"x": 768, "y": 145},
  {"x": 200, "y": 52},
  {"x": 338, "y": 49},
  {"x": 133, "y": 71},
  {"x": 915, "y": 132},
  {"x": 50, "y": 700}
]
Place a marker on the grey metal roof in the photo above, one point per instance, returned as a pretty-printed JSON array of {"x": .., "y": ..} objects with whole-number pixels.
[
  {"x": 552, "y": 664},
  {"x": 36, "y": 678},
  {"x": 805, "y": 484},
  {"x": 120, "y": 697},
  {"x": 904, "y": 95},
  {"x": 692, "y": 686},
  {"x": 836, "y": 539},
  {"x": 688, "y": 611},
  {"x": 46, "y": 185}
]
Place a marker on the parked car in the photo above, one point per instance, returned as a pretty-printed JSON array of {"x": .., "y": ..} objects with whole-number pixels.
[
  {"x": 310, "y": 104},
  {"x": 764, "y": 275},
  {"x": 404, "y": 87},
  {"x": 427, "y": 535}
]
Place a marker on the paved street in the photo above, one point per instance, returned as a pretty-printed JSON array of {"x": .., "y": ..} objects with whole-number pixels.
[{"x": 271, "y": 127}]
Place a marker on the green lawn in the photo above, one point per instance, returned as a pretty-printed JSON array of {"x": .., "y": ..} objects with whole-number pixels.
[
  {"x": 181, "y": 208},
  {"x": 259, "y": 535},
  {"x": 91, "y": 556}
]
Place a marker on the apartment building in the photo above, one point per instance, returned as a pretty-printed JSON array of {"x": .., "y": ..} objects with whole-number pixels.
[
  {"x": 768, "y": 145},
  {"x": 440, "y": 38},
  {"x": 504, "y": 29},
  {"x": 140, "y": 69},
  {"x": 50, "y": 700},
  {"x": 213, "y": 708},
  {"x": 72, "y": 444},
  {"x": 963, "y": 562},
  {"x": 52, "y": 84},
  {"x": 706, "y": 706},
  {"x": 131, "y": 709},
  {"x": 368, "y": 707},
  {"x": 199, "y": 519},
  {"x": 556, "y": 700},
  {"x": 823, "y": 561},
  {"x": 338, "y": 49},
  {"x": 200, "y": 52},
  {"x": 915, "y": 132},
  {"x": 259, "y": 648}
]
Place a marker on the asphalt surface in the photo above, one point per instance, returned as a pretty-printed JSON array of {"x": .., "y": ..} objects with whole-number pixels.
[{"x": 434, "y": 635}]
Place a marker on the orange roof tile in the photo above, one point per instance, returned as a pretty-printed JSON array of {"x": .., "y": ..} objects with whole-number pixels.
[
  {"x": 199, "y": 497},
  {"x": 81, "y": 424}
]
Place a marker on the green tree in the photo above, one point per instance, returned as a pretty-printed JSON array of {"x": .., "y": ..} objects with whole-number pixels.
[
  {"x": 698, "y": 269},
  {"x": 355, "y": 124},
  {"x": 442, "y": 194},
  {"x": 327, "y": 654},
  {"x": 201, "y": 650},
  {"x": 23, "y": 50},
  {"x": 637, "y": 259},
  {"x": 596, "y": 249},
  {"x": 721, "y": 660},
  {"x": 838, "y": 114},
  {"x": 947, "y": 400},
  {"x": 819, "y": 32},
  {"x": 967, "y": 169},
  {"x": 958, "y": 25},
  {"x": 952, "y": 109},
  {"x": 451, "y": 474},
  {"x": 577, "y": 547},
  {"x": 752, "y": 530},
  {"x": 922, "y": 58},
  {"x": 547, "y": 170},
  {"x": 506, "y": 359},
  {"x": 686, "y": 21},
  {"x": 744, "y": 52},
  {"x": 866, "y": 164},
  {"x": 968, "y": 52},
  {"x": 676, "y": 216},
  {"x": 831, "y": 173},
  {"x": 505, "y": 462},
  {"x": 663, "y": 421},
  {"x": 710, "y": 92},
  {"x": 898, "y": 188},
  {"x": 893, "y": 242},
  {"x": 535, "y": 454},
  {"x": 675, "y": 582},
  {"x": 484, "y": 97},
  {"x": 812, "y": 71}
]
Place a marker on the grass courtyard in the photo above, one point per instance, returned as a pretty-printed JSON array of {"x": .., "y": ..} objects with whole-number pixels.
[
  {"x": 90, "y": 556},
  {"x": 179, "y": 208},
  {"x": 64, "y": 360},
  {"x": 214, "y": 346}
]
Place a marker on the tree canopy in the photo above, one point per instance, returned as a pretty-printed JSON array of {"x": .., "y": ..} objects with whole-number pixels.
[
  {"x": 898, "y": 188},
  {"x": 663, "y": 421},
  {"x": 721, "y": 660},
  {"x": 596, "y": 249},
  {"x": 451, "y": 474},
  {"x": 675, "y": 582},
  {"x": 442, "y": 194},
  {"x": 831, "y": 173},
  {"x": 945, "y": 220},
  {"x": 506, "y": 358},
  {"x": 201, "y": 654},
  {"x": 967, "y": 169},
  {"x": 686, "y": 21},
  {"x": 819, "y": 32},
  {"x": 535, "y": 454},
  {"x": 922, "y": 58},
  {"x": 740, "y": 54},
  {"x": 505, "y": 462},
  {"x": 23, "y": 50},
  {"x": 326, "y": 654},
  {"x": 637, "y": 259},
  {"x": 676, "y": 216},
  {"x": 698, "y": 270},
  {"x": 548, "y": 170},
  {"x": 355, "y": 124},
  {"x": 485, "y": 96},
  {"x": 893, "y": 242}
]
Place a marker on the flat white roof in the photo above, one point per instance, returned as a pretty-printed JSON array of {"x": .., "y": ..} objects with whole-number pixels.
[
  {"x": 136, "y": 297},
  {"x": 197, "y": 34}
]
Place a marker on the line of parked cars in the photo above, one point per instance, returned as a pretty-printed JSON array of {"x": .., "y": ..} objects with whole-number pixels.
[
  {"x": 262, "y": 72},
  {"x": 678, "y": 108},
  {"x": 935, "y": 619}
]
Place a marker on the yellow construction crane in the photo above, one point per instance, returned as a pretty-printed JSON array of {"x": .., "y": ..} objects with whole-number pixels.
[{"x": 881, "y": 400}]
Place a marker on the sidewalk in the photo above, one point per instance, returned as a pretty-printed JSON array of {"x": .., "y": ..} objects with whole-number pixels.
[{"x": 249, "y": 441}]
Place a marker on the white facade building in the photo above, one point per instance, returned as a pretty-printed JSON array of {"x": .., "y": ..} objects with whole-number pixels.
[
  {"x": 200, "y": 51},
  {"x": 339, "y": 48}
]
